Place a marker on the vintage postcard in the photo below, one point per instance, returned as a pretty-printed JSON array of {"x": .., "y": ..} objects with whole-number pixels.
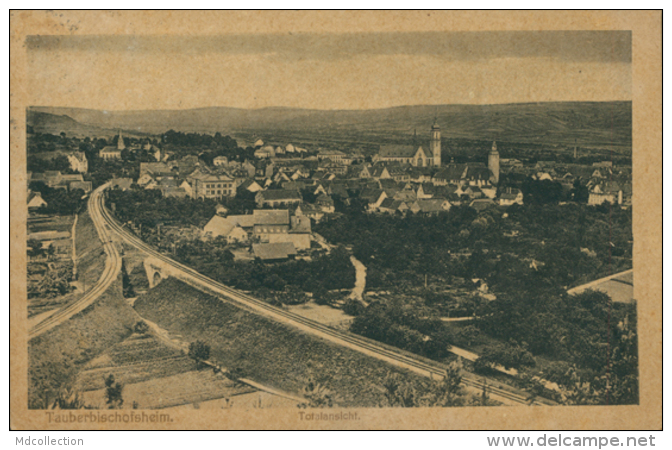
[{"x": 336, "y": 220}]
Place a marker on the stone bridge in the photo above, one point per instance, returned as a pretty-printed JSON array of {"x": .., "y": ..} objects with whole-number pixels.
[{"x": 157, "y": 271}]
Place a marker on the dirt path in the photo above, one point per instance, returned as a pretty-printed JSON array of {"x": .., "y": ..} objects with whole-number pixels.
[{"x": 360, "y": 279}]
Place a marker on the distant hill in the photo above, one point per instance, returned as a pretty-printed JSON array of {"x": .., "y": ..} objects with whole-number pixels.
[
  {"x": 48, "y": 123},
  {"x": 591, "y": 124}
]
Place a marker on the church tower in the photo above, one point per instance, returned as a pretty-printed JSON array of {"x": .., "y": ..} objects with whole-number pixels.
[
  {"x": 435, "y": 144},
  {"x": 120, "y": 142},
  {"x": 493, "y": 163}
]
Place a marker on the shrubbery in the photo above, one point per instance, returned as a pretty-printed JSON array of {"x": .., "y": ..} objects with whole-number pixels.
[{"x": 508, "y": 356}]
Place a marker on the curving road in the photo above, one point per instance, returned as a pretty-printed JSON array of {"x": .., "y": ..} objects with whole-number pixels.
[
  {"x": 110, "y": 273},
  {"x": 502, "y": 393}
]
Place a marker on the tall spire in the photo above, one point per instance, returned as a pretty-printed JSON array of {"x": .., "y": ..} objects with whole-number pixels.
[
  {"x": 120, "y": 142},
  {"x": 493, "y": 163},
  {"x": 435, "y": 126}
]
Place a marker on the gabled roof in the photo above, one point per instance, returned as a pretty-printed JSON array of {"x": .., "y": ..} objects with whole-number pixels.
[
  {"x": 397, "y": 151},
  {"x": 71, "y": 177},
  {"x": 307, "y": 208},
  {"x": 281, "y": 250},
  {"x": 294, "y": 185},
  {"x": 248, "y": 183},
  {"x": 35, "y": 194},
  {"x": 324, "y": 200},
  {"x": 389, "y": 183},
  {"x": 390, "y": 203},
  {"x": 244, "y": 221},
  {"x": 432, "y": 204},
  {"x": 271, "y": 217},
  {"x": 280, "y": 194},
  {"x": 327, "y": 153},
  {"x": 300, "y": 224},
  {"x": 220, "y": 225},
  {"x": 478, "y": 173},
  {"x": 372, "y": 195},
  {"x": 211, "y": 177},
  {"x": 481, "y": 204},
  {"x": 408, "y": 196},
  {"x": 377, "y": 172},
  {"x": 416, "y": 172},
  {"x": 452, "y": 172}
]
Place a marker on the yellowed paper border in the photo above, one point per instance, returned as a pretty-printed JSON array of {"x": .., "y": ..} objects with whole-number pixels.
[{"x": 647, "y": 204}]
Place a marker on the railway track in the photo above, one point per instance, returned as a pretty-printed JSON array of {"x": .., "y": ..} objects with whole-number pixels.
[
  {"x": 110, "y": 273},
  {"x": 369, "y": 347}
]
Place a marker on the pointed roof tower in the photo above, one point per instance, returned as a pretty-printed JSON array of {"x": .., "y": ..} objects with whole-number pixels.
[
  {"x": 436, "y": 126},
  {"x": 120, "y": 142}
]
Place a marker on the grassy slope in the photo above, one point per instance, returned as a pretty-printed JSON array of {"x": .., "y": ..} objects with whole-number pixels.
[
  {"x": 267, "y": 352},
  {"x": 55, "y": 357}
]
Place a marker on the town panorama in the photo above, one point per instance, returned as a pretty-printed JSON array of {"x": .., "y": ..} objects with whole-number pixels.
[{"x": 385, "y": 258}]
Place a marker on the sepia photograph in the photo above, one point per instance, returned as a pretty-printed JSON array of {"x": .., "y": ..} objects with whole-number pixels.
[{"x": 326, "y": 223}]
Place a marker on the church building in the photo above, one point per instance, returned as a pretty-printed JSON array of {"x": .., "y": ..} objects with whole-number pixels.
[{"x": 415, "y": 155}]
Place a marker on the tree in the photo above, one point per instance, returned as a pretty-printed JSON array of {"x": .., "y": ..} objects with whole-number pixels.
[
  {"x": 541, "y": 191},
  {"x": 113, "y": 390}
]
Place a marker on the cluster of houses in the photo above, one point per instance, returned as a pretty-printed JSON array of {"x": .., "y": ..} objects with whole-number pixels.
[
  {"x": 399, "y": 179},
  {"x": 605, "y": 183},
  {"x": 274, "y": 234},
  {"x": 57, "y": 180}
]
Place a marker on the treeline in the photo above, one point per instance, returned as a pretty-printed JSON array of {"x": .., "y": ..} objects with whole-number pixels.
[
  {"x": 325, "y": 272},
  {"x": 178, "y": 138}
]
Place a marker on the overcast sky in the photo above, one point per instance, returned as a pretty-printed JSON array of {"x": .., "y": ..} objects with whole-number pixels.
[{"x": 328, "y": 71}]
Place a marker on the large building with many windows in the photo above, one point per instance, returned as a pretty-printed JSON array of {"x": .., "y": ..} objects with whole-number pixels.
[{"x": 208, "y": 185}]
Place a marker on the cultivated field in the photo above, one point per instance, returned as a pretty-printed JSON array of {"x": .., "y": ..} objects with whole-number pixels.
[{"x": 154, "y": 376}]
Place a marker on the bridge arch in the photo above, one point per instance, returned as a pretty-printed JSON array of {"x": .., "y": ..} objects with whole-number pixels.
[{"x": 155, "y": 274}]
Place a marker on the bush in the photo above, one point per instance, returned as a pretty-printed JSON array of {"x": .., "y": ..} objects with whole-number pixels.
[
  {"x": 511, "y": 357},
  {"x": 353, "y": 307},
  {"x": 199, "y": 350},
  {"x": 140, "y": 327}
]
